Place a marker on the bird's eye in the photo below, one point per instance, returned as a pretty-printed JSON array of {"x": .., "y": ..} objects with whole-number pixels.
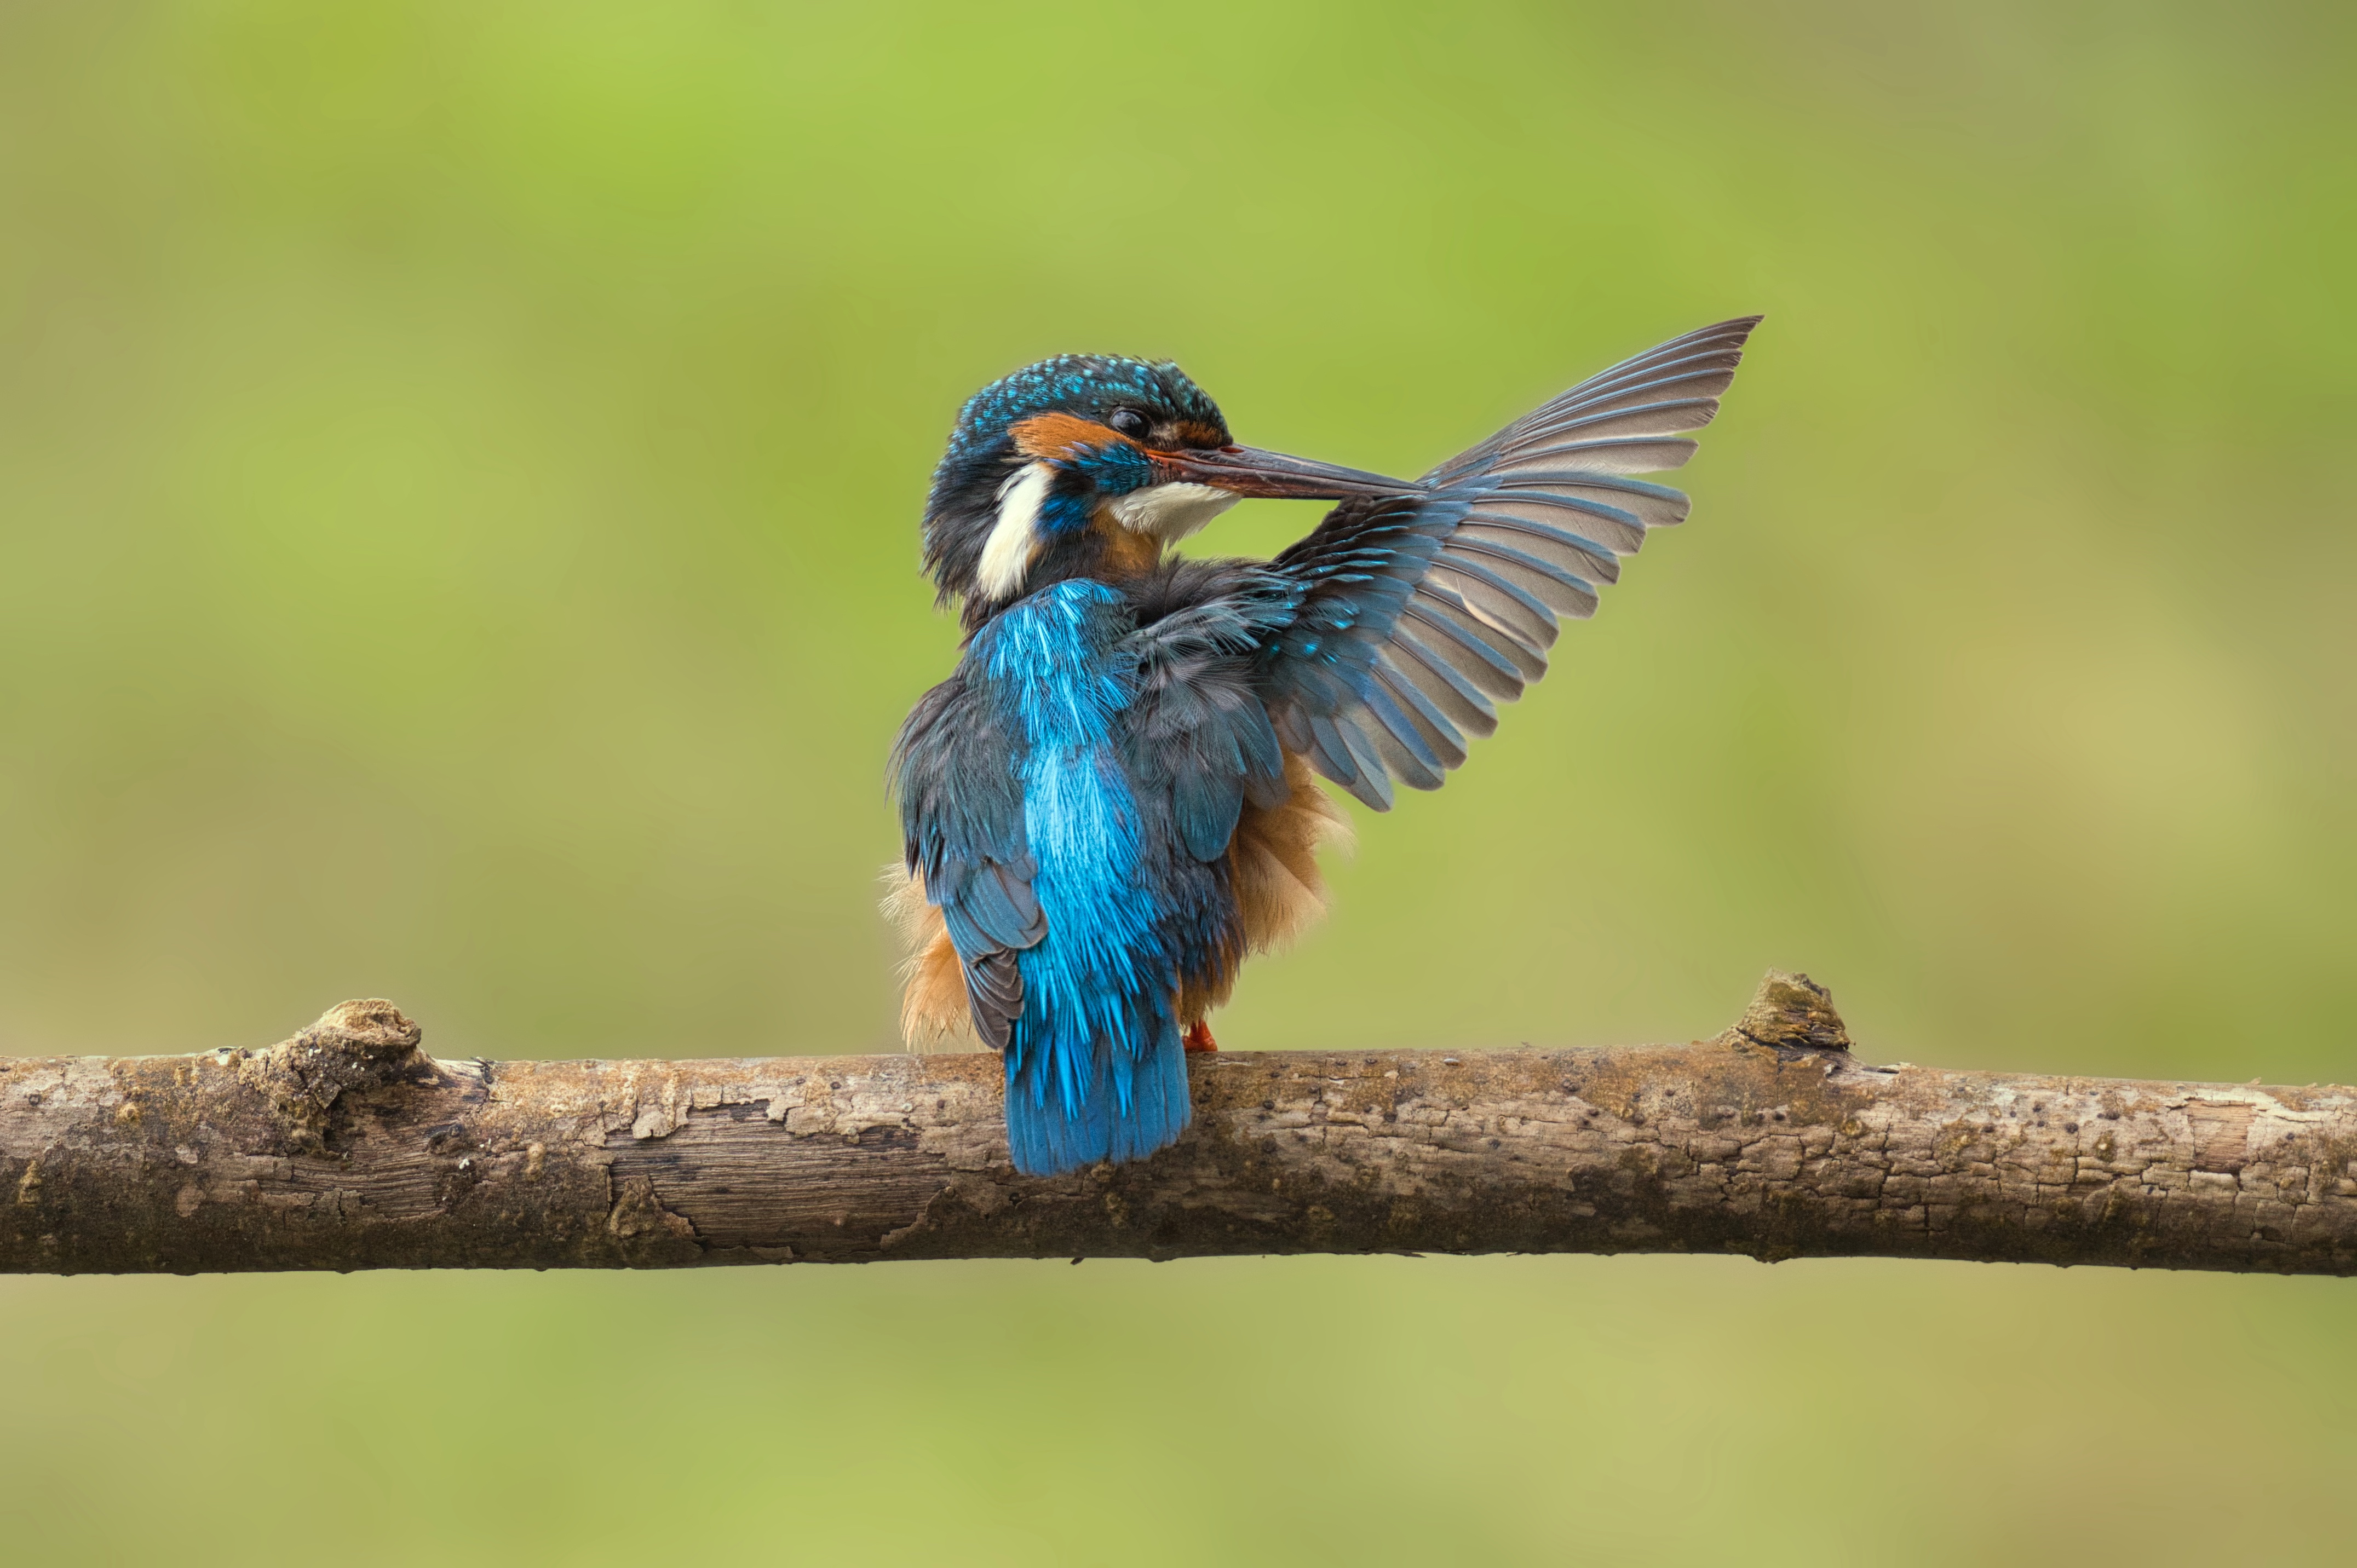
[{"x": 1128, "y": 421}]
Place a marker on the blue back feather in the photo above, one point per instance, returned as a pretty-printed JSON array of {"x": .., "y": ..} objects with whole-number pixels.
[{"x": 1094, "y": 1066}]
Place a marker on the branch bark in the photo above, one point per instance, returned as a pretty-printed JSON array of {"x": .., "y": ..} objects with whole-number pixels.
[{"x": 349, "y": 1148}]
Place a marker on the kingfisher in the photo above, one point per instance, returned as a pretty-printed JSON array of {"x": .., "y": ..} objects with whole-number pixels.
[{"x": 1116, "y": 798}]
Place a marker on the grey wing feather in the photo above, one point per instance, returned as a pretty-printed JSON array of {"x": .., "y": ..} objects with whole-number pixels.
[
  {"x": 1197, "y": 731},
  {"x": 963, "y": 829},
  {"x": 1415, "y": 614}
]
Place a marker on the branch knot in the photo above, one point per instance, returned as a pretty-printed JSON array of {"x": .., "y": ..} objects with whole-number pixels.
[
  {"x": 353, "y": 1045},
  {"x": 1793, "y": 1012},
  {"x": 371, "y": 1027}
]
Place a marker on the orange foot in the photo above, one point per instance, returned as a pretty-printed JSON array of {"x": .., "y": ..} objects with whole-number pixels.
[{"x": 1199, "y": 1037}]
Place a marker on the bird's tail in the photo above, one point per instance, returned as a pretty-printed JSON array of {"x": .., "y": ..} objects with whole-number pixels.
[{"x": 1070, "y": 1103}]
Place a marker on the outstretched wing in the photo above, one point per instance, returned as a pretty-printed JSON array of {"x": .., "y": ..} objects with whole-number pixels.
[
  {"x": 963, "y": 831},
  {"x": 1417, "y": 614}
]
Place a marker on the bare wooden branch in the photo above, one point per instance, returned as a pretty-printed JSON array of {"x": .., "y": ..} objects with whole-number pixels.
[{"x": 349, "y": 1148}]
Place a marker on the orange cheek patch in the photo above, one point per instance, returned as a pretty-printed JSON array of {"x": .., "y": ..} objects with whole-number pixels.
[
  {"x": 1055, "y": 434},
  {"x": 1202, "y": 437}
]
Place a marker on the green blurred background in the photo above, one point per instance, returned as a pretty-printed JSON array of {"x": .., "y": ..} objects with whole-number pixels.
[{"x": 459, "y": 472}]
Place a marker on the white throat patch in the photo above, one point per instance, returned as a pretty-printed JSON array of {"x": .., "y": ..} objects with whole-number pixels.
[
  {"x": 1171, "y": 512},
  {"x": 1015, "y": 537}
]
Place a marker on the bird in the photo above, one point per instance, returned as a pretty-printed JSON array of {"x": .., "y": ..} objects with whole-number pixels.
[{"x": 1118, "y": 794}]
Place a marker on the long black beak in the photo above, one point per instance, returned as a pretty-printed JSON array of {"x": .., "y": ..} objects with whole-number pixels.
[{"x": 1249, "y": 471}]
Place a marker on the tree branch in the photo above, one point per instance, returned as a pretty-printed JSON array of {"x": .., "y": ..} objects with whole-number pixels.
[{"x": 349, "y": 1148}]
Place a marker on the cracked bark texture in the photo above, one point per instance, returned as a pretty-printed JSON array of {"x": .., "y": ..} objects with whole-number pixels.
[{"x": 349, "y": 1147}]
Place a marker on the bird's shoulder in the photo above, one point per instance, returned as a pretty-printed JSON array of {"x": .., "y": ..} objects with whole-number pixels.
[
  {"x": 1190, "y": 608},
  {"x": 952, "y": 768},
  {"x": 946, "y": 715},
  {"x": 1179, "y": 584}
]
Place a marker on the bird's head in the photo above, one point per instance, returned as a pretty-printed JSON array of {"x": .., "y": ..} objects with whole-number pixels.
[{"x": 1089, "y": 464}]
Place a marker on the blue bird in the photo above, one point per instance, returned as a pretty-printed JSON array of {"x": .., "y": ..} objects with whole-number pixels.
[{"x": 1113, "y": 799}]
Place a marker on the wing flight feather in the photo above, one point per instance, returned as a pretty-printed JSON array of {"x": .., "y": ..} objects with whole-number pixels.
[{"x": 1411, "y": 616}]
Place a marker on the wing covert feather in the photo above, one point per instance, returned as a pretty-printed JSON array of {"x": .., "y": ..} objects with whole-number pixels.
[
  {"x": 962, "y": 832},
  {"x": 1195, "y": 728}
]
